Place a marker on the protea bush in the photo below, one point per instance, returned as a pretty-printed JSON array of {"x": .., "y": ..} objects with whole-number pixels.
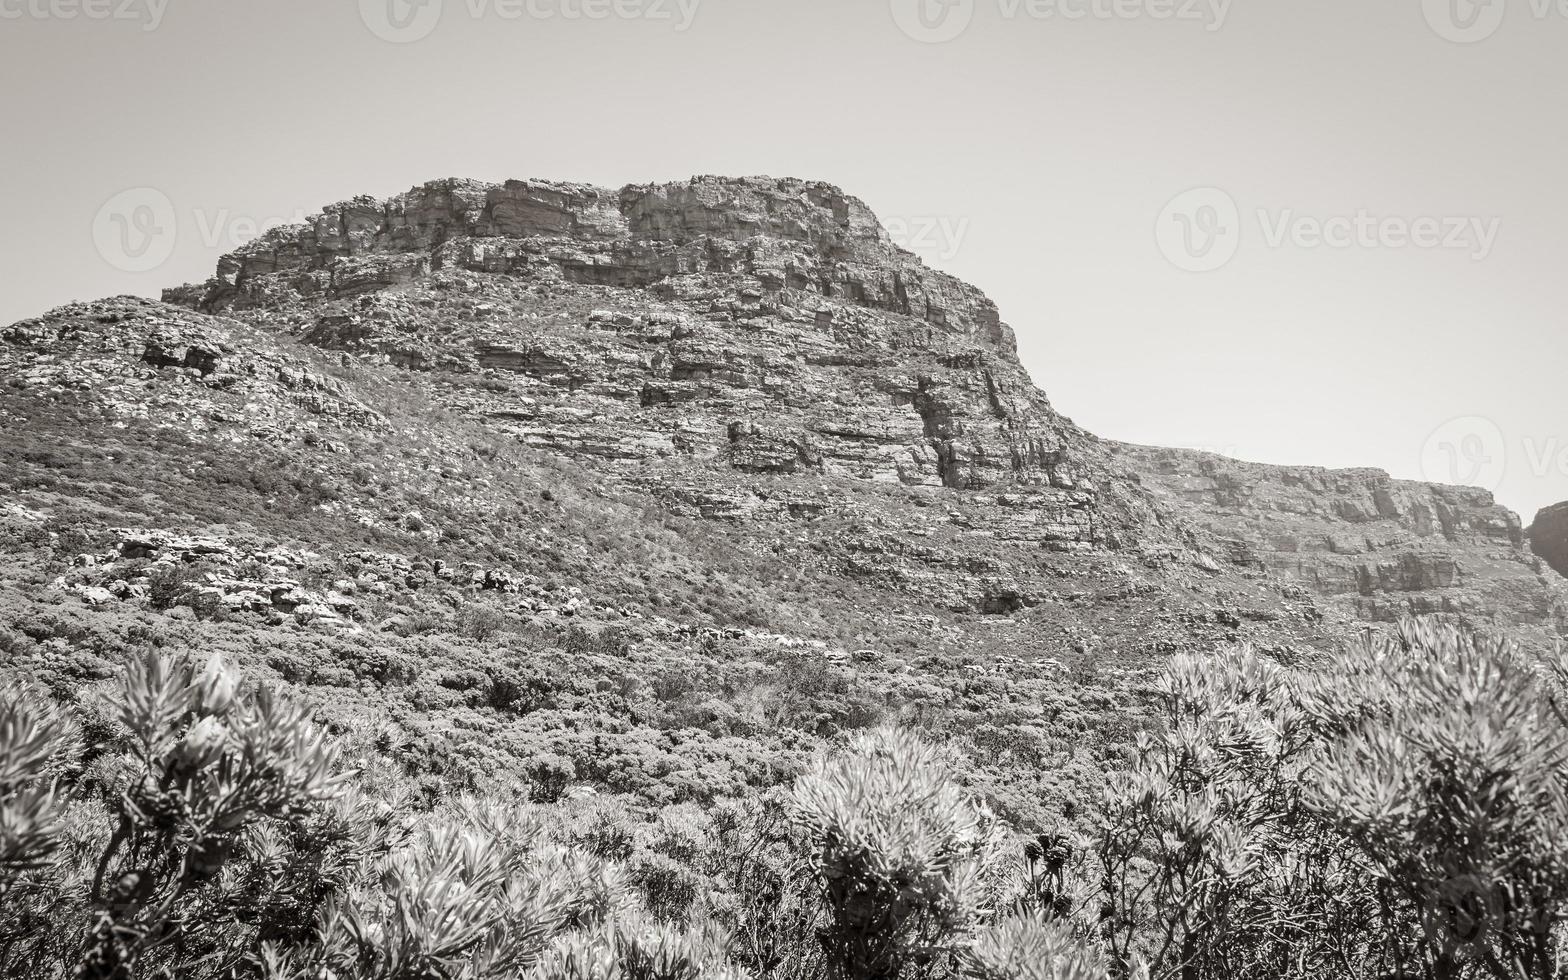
[
  {"x": 124, "y": 853},
  {"x": 1396, "y": 810},
  {"x": 1210, "y": 863},
  {"x": 210, "y": 830},
  {"x": 909, "y": 867},
  {"x": 1033, "y": 948},
  {"x": 34, "y": 740},
  {"x": 900, "y": 854},
  {"x": 1455, "y": 796},
  {"x": 638, "y": 947}
]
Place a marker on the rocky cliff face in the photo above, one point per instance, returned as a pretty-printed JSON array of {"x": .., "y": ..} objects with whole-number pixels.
[
  {"x": 1549, "y": 536},
  {"x": 756, "y": 354},
  {"x": 1376, "y": 547},
  {"x": 793, "y": 237},
  {"x": 741, "y": 347}
]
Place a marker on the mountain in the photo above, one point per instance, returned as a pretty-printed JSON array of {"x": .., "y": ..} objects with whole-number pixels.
[{"x": 663, "y": 483}]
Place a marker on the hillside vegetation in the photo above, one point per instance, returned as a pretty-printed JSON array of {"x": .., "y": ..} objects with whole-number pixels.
[
  {"x": 538, "y": 580},
  {"x": 1399, "y": 809}
]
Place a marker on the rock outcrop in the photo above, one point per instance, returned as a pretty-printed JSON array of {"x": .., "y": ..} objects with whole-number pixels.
[
  {"x": 743, "y": 330},
  {"x": 1380, "y": 548},
  {"x": 1549, "y": 536},
  {"x": 758, "y": 355},
  {"x": 791, "y": 236}
]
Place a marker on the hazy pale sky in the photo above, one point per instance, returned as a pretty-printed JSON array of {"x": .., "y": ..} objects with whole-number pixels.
[{"x": 1324, "y": 233}]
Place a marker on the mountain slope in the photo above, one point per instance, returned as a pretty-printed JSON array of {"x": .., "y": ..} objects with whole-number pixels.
[{"x": 661, "y": 485}]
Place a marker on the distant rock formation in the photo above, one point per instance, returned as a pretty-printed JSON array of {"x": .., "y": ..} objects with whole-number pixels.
[{"x": 1549, "y": 536}]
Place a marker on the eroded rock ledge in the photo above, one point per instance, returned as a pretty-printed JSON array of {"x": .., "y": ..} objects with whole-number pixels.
[
  {"x": 1549, "y": 536},
  {"x": 790, "y": 234}
]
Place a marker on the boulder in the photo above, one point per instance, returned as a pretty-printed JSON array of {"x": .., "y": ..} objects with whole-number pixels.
[{"x": 1549, "y": 536}]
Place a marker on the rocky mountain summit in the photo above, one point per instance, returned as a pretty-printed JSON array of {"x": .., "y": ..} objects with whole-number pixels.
[
  {"x": 753, "y": 356},
  {"x": 548, "y": 488}
]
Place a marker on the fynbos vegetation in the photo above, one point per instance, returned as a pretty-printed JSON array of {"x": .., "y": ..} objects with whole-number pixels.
[
  {"x": 540, "y": 580},
  {"x": 1397, "y": 810}
]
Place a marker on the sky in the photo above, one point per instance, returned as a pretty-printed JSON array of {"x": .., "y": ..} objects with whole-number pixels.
[{"x": 1325, "y": 233}]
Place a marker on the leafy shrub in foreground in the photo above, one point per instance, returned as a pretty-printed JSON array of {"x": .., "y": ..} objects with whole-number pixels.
[
  {"x": 1027, "y": 948},
  {"x": 194, "y": 783},
  {"x": 31, "y": 739},
  {"x": 906, "y": 861},
  {"x": 1456, "y": 797},
  {"x": 1398, "y": 811},
  {"x": 206, "y": 832}
]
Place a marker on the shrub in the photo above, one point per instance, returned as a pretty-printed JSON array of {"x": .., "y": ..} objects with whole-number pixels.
[
  {"x": 481, "y": 622},
  {"x": 1399, "y": 810},
  {"x": 169, "y": 586},
  {"x": 33, "y": 741},
  {"x": 1032, "y": 949},
  {"x": 899, "y": 853},
  {"x": 550, "y": 776},
  {"x": 1455, "y": 793},
  {"x": 455, "y": 903},
  {"x": 639, "y": 948},
  {"x": 195, "y": 780}
]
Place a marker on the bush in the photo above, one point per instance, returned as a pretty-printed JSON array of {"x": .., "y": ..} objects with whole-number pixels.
[
  {"x": 197, "y": 776},
  {"x": 1032, "y": 949},
  {"x": 1398, "y": 809},
  {"x": 169, "y": 586},
  {"x": 900, "y": 854},
  {"x": 482, "y": 622},
  {"x": 1401, "y": 810}
]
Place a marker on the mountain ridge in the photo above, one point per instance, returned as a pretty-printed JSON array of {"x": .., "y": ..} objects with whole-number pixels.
[
  {"x": 754, "y": 356},
  {"x": 758, "y": 349},
  {"x": 667, "y": 515},
  {"x": 841, "y": 230}
]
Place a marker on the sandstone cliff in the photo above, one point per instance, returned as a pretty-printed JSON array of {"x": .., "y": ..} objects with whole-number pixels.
[
  {"x": 1378, "y": 548},
  {"x": 758, "y": 355},
  {"x": 1549, "y": 536}
]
